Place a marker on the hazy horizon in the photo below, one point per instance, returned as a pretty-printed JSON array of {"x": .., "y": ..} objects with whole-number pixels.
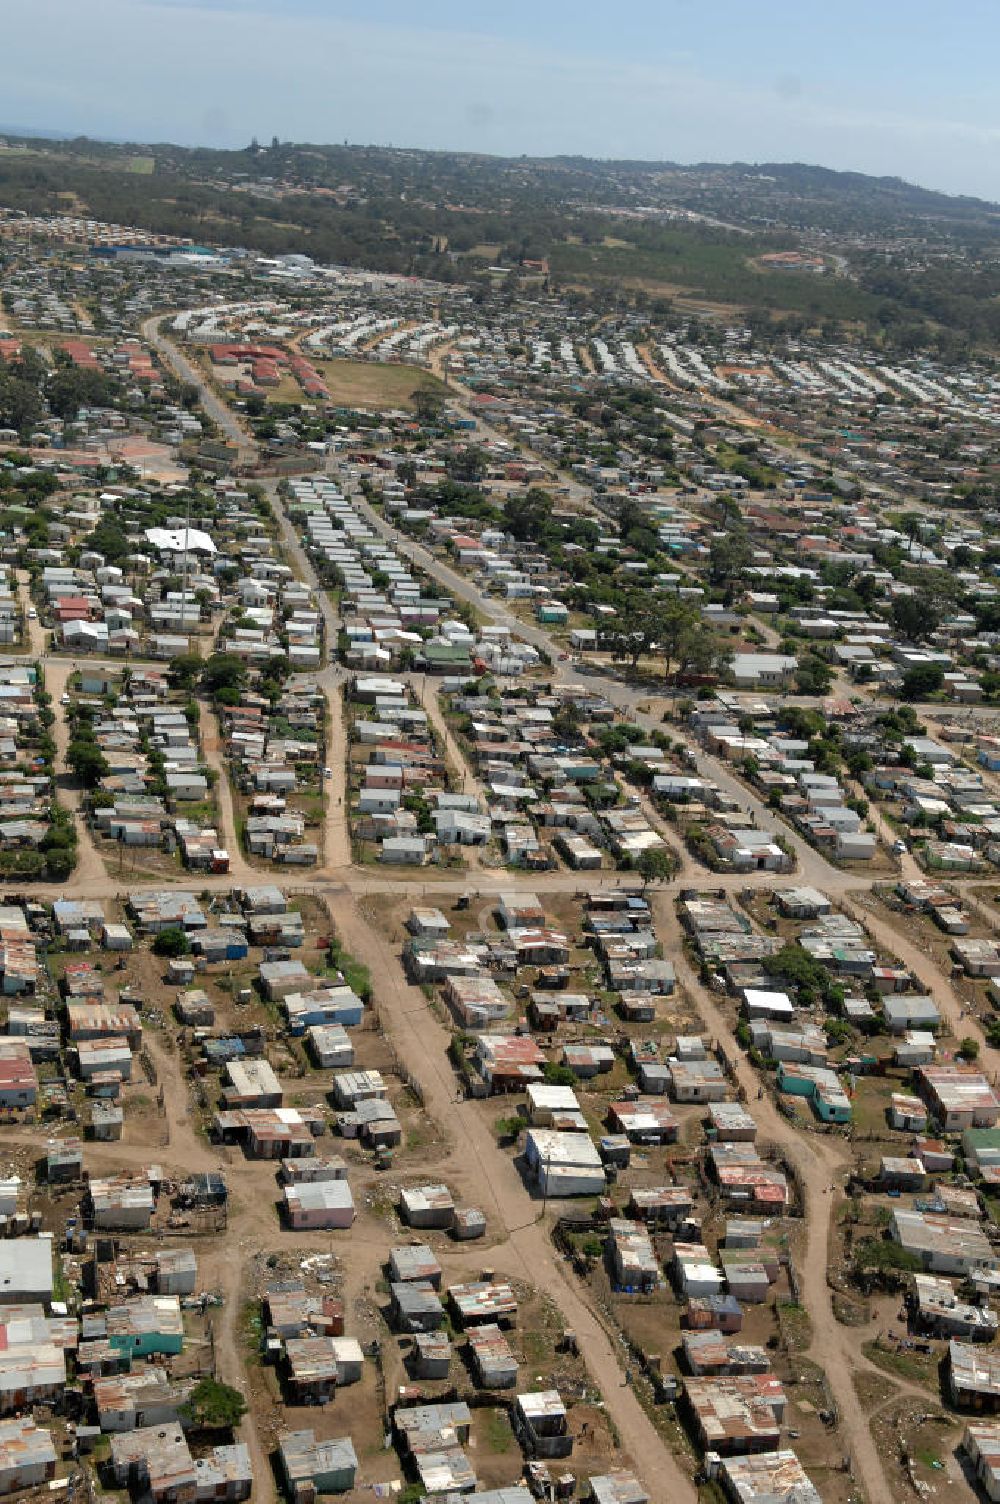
[
  {"x": 889, "y": 90},
  {"x": 50, "y": 133}
]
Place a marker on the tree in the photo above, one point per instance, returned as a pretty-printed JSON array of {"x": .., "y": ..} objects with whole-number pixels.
[
  {"x": 428, "y": 404},
  {"x": 878, "y": 1261},
  {"x": 171, "y": 943},
  {"x": 935, "y": 593},
  {"x": 656, "y": 865},
  {"x": 813, "y": 675},
  {"x": 184, "y": 670},
  {"x": 728, "y": 556},
  {"x": 558, "y": 1075},
  {"x": 629, "y": 636},
  {"x": 21, "y": 406},
  {"x": 796, "y": 966},
  {"x": 969, "y": 1048},
  {"x": 566, "y": 721},
  {"x": 922, "y": 681},
  {"x": 86, "y": 761},
  {"x": 913, "y": 618},
  {"x": 468, "y": 464},
  {"x": 213, "y": 1405},
  {"x": 528, "y": 515},
  {"x": 912, "y": 526},
  {"x": 109, "y": 538},
  {"x": 59, "y": 863},
  {"x": 223, "y": 671},
  {"x": 70, "y": 388},
  {"x": 676, "y": 626}
]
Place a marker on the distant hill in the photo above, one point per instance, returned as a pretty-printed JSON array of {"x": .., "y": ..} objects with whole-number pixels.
[{"x": 906, "y": 262}]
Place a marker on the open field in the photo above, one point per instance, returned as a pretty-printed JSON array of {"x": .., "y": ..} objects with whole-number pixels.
[{"x": 362, "y": 383}]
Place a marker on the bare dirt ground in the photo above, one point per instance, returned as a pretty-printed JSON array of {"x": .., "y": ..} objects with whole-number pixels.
[
  {"x": 527, "y": 1253},
  {"x": 462, "y": 1148}
]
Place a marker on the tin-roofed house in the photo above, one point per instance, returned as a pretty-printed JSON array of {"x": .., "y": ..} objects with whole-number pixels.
[
  {"x": 27, "y": 1455},
  {"x": 542, "y": 1424},
  {"x": 326, "y": 1467}
]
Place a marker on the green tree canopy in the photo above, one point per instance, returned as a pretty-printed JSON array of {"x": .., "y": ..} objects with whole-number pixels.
[
  {"x": 86, "y": 761},
  {"x": 184, "y": 670},
  {"x": 171, "y": 943},
  {"x": 527, "y": 516},
  {"x": 213, "y": 1405},
  {"x": 656, "y": 865},
  {"x": 921, "y": 681},
  {"x": 223, "y": 671},
  {"x": 428, "y": 404}
]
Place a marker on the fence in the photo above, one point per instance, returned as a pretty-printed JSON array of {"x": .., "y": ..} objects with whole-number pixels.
[{"x": 399, "y": 1067}]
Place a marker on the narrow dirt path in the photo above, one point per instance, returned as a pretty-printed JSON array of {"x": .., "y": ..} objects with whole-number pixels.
[
  {"x": 90, "y": 868},
  {"x": 241, "y": 869},
  {"x": 231, "y": 1357},
  {"x": 34, "y": 632},
  {"x": 430, "y": 699},
  {"x": 336, "y": 837}
]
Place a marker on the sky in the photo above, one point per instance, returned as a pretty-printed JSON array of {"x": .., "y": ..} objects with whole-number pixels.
[{"x": 898, "y": 87}]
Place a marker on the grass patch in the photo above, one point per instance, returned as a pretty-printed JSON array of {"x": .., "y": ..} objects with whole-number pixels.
[
  {"x": 357, "y": 976},
  {"x": 850, "y": 1312},
  {"x": 795, "y": 1325},
  {"x": 497, "y": 1433},
  {"x": 252, "y": 1330},
  {"x": 915, "y": 1368},
  {"x": 366, "y": 383},
  {"x": 872, "y": 1390},
  {"x": 62, "y": 1288}
]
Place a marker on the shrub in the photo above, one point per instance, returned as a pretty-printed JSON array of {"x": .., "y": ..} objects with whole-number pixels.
[{"x": 171, "y": 943}]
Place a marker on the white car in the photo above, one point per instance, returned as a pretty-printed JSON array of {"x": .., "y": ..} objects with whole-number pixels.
[
  {"x": 32, "y": 614},
  {"x": 327, "y": 772}
]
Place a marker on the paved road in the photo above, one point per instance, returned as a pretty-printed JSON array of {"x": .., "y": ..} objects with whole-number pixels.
[{"x": 185, "y": 371}]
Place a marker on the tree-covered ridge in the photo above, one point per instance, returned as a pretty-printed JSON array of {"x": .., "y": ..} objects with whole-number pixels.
[{"x": 894, "y": 255}]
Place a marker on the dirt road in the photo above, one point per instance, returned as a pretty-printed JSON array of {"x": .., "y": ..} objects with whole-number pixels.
[
  {"x": 90, "y": 870},
  {"x": 819, "y": 1163},
  {"x": 526, "y": 1248},
  {"x": 220, "y": 412},
  {"x": 212, "y": 746}
]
